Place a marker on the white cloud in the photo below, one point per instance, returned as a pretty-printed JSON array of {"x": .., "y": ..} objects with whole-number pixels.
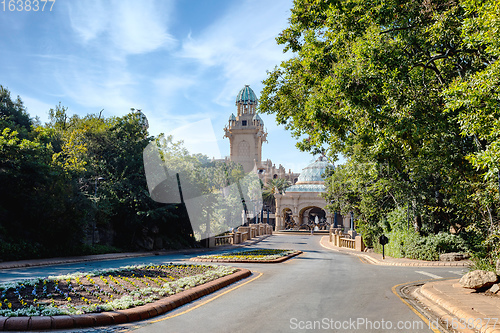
[
  {"x": 137, "y": 27},
  {"x": 89, "y": 18},
  {"x": 129, "y": 26},
  {"x": 233, "y": 44},
  {"x": 198, "y": 137},
  {"x": 37, "y": 108},
  {"x": 170, "y": 84},
  {"x": 97, "y": 85}
]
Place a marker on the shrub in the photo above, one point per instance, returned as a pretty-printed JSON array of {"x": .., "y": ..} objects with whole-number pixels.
[
  {"x": 404, "y": 242},
  {"x": 486, "y": 255}
]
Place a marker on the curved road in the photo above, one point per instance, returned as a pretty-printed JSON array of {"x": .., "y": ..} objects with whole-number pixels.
[{"x": 320, "y": 290}]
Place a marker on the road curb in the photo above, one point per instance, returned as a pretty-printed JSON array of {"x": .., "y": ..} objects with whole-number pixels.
[
  {"x": 143, "y": 312},
  {"x": 273, "y": 261},
  {"x": 437, "y": 310},
  {"x": 456, "y": 312}
]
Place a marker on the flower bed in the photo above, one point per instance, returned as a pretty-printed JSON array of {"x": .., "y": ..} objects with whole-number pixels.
[
  {"x": 103, "y": 290},
  {"x": 262, "y": 255}
]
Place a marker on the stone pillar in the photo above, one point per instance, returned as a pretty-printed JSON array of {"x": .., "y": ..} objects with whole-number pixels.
[
  {"x": 253, "y": 230},
  {"x": 279, "y": 224},
  {"x": 336, "y": 238},
  {"x": 329, "y": 218},
  {"x": 245, "y": 233},
  {"x": 236, "y": 237},
  {"x": 359, "y": 244}
]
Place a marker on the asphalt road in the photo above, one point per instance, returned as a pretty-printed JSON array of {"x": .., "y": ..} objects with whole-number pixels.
[{"x": 320, "y": 290}]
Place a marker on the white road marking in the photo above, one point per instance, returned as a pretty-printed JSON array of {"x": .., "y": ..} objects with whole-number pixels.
[
  {"x": 457, "y": 272},
  {"x": 429, "y": 274}
]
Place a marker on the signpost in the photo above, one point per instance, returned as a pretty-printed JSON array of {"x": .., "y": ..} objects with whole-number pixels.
[{"x": 383, "y": 240}]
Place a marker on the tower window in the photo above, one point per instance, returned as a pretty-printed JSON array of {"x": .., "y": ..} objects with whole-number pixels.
[{"x": 243, "y": 123}]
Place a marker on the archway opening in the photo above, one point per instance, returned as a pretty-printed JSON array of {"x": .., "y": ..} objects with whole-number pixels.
[{"x": 313, "y": 218}]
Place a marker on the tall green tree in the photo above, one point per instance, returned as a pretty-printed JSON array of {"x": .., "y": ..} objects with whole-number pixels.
[
  {"x": 474, "y": 98},
  {"x": 37, "y": 196},
  {"x": 368, "y": 79},
  {"x": 13, "y": 113}
]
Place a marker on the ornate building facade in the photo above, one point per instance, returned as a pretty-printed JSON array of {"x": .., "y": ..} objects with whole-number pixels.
[
  {"x": 301, "y": 206},
  {"x": 246, "y": 134}
]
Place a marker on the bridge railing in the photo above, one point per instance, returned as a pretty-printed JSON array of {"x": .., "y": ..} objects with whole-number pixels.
[
  {"x": 349, "y": 241},
  {"x": 224, "y": 240},
  {"x": 243, "y": 234}
]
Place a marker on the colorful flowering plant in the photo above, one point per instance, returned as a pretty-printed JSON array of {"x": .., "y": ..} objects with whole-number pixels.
[
  {"x": 261, "y": 254},
  {"x": 102, "y": 290}
]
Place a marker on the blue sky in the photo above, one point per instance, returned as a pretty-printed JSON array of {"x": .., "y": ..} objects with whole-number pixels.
[{"x": 178, "y": 61}]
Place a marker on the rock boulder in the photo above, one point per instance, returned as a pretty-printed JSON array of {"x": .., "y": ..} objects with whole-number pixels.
[
  {"x": 495, "y": 288},
  {"x": 478, "y": 279},
  {"x": 454, "y": 256}
]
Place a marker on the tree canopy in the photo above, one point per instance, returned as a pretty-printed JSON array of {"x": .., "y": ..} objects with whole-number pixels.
[
  {"x": 79, "y": 180},
  {"x": 407, "y": 91}
]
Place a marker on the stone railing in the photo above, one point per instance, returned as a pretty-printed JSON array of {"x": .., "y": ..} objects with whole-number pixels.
[
  {"x": 348, "y": 243},
  {"x": 350, "y": 240},
  {"x": 243, "y": 234},
  {"x": 224, "y": 240}
]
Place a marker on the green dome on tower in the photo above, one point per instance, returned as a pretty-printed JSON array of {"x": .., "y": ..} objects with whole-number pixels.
[
  {"x": 311, "y": 178},
  {"x": 246, "y": 96}
]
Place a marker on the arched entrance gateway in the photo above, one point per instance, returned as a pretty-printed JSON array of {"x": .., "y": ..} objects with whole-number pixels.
[
  {"x": 302, "y": 206},
  {"x": 311, "y": 217}
]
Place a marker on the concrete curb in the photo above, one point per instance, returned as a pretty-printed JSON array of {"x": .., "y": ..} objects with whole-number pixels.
[
  {"x": 458, "y": 311},
  {"x": 273, "y": 261},
  {"x": 404, "y": 262},
  {"x": 441, "y": 313},
  {"x": 71, "y": 260},
  {"x": 120, "y": 316}
]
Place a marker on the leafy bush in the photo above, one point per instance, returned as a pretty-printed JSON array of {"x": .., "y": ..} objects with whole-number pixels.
[
  {"x": 404, "y": 242},
  {"x": 484, "y": 263},
  {"x": 487, "y": 254},
  {"x": 18, "y": 250}
]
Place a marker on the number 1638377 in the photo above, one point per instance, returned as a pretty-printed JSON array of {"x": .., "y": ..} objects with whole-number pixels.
[{"x": 27, "y": 5}]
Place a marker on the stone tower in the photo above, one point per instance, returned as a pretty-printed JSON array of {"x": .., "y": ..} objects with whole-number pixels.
[{"x": 246, "y": 131}]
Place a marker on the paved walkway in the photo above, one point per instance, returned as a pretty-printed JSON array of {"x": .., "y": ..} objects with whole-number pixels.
[
  {"x": 463, "y": 309},
  {"x": 453, "y": 304}
]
